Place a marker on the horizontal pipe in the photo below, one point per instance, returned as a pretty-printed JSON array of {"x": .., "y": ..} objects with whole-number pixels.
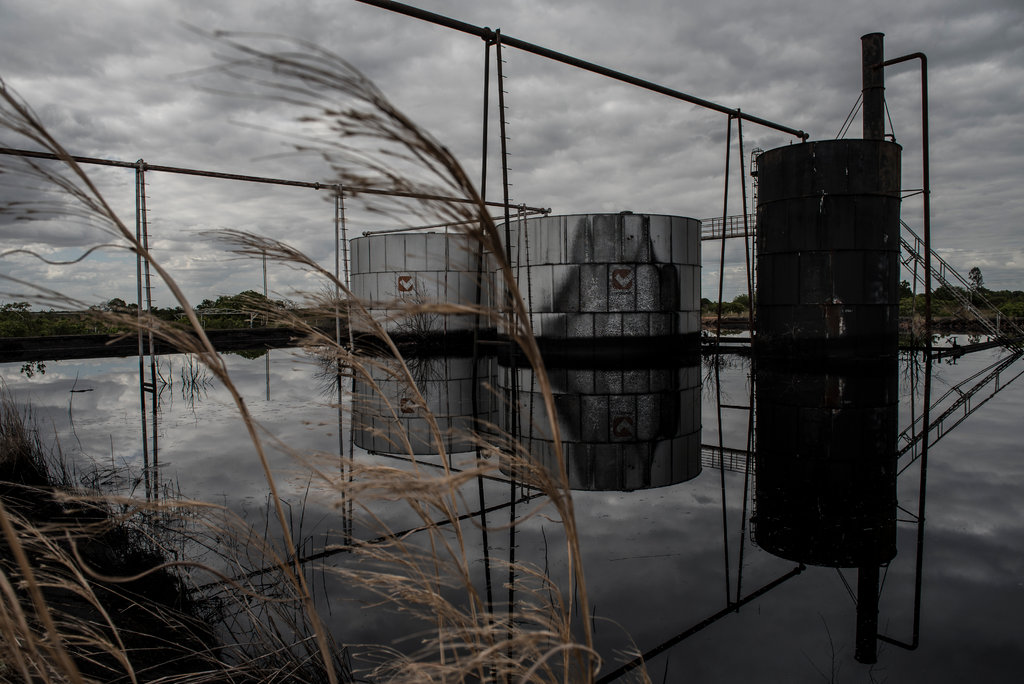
[
  {"x": 905, "y": 58},
  {"x": 250, "y": 179},
  {"x": 489, "y": 35},
  {"x": 448, "y": 224}
]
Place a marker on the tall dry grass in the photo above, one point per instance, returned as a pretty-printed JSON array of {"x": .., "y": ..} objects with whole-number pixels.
[{"x": 256, "y": 589}]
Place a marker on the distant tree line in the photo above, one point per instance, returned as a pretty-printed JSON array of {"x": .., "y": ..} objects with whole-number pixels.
[
  {"x": 243, "y": 310},
  {"x": 740, "y": 305},
  {"x": 945, "y": 302},
  {"x": 247, "y": 309}
]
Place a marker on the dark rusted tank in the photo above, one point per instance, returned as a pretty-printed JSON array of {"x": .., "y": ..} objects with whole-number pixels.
[{"x": 828, "y": 222}]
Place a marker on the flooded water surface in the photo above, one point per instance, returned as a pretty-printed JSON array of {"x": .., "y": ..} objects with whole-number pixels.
[{"x": 737, "y": 523}]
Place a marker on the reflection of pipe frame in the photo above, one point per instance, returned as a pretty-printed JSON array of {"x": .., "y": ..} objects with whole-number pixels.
[
  {"x": 706, "y": 622},
  {"x": 352, "y": 544},
  {"x": 915, "y": 638}
]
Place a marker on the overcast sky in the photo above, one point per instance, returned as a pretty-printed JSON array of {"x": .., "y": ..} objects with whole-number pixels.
[{"x": 112, "y": 79}]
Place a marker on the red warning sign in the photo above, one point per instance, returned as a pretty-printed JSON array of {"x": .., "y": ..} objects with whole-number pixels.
[
  {"x": 622, "y": 279},
  {"x": 623, "y": 427},
  {"x": 407, "y": 405},
  {"x": 406, "y": 283}
]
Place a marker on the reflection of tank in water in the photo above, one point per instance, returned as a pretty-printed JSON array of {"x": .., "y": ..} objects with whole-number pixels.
[
  {"x": 825, "y": 487},
  {"x": 621, "y": 429},
  {"x": 592, "y": 278},
  {"x": 447, "y": 385}
]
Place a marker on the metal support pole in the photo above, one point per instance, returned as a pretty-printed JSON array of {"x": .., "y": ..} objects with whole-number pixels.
[
  {"x": 266, "y": 321},
  {"x": 476, "y": 330},
  {"x": 725, "y": 215},
  {"x": 144, "y": 306},
  {"x": 139, "y": 193},
  {"x": 504, "y": 146},
  {"x": 337, "y": 267},
  {"x": 486, "y": 116},
  {"x": 33, "y": 154}
]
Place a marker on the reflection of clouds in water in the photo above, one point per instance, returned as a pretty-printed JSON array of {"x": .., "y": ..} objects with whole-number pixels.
[
  {"x": 654, "y": 559},
  {"x": 978, "y": 473},
  {"x": 207, "y": 451},
  {"x": 82, "y": 421},
  {"x": 656, "y": 565}
]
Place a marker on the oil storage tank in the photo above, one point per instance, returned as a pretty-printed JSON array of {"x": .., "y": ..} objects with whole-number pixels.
[
  {"x": 828, "y": 241},
  {"x": 607, "y": 279},
  {"x": 395, "y": 271},
  {"x": 621, "y": 428}
]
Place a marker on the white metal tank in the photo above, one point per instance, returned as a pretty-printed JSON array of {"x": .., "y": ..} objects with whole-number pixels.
[
  {"x": 594, "y": 277},
  {"x": 391, "y": 272}
]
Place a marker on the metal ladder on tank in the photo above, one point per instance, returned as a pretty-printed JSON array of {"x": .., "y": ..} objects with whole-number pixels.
[
  {"x": 912, "y": 254},
  {"x": 752, "y": 219}
]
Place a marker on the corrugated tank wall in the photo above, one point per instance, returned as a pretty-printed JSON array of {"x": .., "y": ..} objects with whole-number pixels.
[
  {"x": 391, "y": 272},
  {"x": 384, "y": 418},
  {"x": 621, "y": 429},
  {"x": 609, "y": 277}
]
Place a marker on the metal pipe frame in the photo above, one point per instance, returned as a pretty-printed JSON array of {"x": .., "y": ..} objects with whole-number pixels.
[
  {"x": 489, "y": 35},
  {"x": 350, "y": 189},
  {"x": 926, "y": 189}
]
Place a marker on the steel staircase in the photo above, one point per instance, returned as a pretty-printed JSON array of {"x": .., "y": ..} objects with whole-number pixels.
[{"x": 974, "y": 303}]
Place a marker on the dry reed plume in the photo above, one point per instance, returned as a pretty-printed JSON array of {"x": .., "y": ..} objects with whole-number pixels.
[{"x": 425, "y": 571}]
